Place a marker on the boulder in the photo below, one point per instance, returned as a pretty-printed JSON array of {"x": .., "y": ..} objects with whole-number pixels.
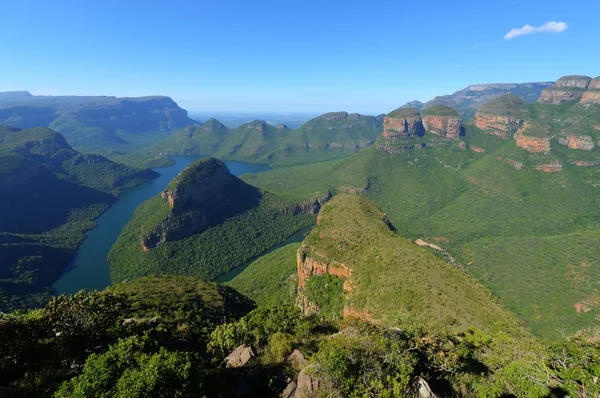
[{"x": 239, "y": 357}]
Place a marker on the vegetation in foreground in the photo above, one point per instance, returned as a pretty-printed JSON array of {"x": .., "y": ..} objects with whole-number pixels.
[{"x": 155, "y": 337}]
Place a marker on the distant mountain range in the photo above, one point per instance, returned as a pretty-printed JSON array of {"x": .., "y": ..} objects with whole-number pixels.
[
  {"x": 469, "y": 99},
  {"x": 96, "y": 123}
]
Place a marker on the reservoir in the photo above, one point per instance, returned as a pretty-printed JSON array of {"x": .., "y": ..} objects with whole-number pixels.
[{"x": 88, "y": 268}]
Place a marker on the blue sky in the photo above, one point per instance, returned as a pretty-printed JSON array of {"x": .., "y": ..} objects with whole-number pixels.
[{"x": 288, "y": 55}]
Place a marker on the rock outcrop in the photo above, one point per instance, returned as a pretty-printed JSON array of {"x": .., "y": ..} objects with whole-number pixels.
[
  {"x": 443, "y": 120},
  {"x": 239, "y": 357},
  {"x": 592, "y": 94},
  {"x": 403, "y": 122},
  {"x": 201, "y": 195},
  {"x": 583, "y": 142},
  {"x": 529, "y": 142},
  {"x": 566, "y": 89},
  {"x": 502, "y": 116}
]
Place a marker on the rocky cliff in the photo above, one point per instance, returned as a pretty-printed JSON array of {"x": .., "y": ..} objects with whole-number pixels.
[
  {"x": 403, "y": 122},
  {"x": 592, "y": 94},
  {"x": 409, "y": 122},
  {"x": 443, "y": 120},
  {"x": 201, "y": 195},
  {"x": 502, "y": 116},
  {"x": 566, "y": 89}
]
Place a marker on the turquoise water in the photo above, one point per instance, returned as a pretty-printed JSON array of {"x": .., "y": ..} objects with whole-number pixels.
[{"x": 88, "y": 268}]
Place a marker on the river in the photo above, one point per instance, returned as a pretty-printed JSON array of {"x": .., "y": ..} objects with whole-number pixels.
[{"x": 88, "y": 268}]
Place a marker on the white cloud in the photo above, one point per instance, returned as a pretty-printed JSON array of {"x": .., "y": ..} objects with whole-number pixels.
[{"x": 548, "y": 27}]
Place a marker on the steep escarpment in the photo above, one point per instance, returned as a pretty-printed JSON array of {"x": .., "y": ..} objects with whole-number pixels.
[
  {"x": 592, "y": 94},
  {"x": 443, "y": 120},
  {"x": 97, "y": 122},
  {"x": 502, "y": 116},
  {"x": 202, "y": 195},
  {"x": 566, "y": 89},
  {"x": 352, "y": 255},
  {"x": 403, "y": 122}
]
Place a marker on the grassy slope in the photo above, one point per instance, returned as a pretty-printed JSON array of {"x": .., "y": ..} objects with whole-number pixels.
[
  {"x": 396, "y": 281},
  {"x": 270, "y": 280},
  {"x": 473, "y": 203}
]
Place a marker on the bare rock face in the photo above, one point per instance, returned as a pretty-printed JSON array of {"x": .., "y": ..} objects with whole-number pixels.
[
  {"x": 592, "y": 94},
  {"x": 502, "y": 126},
  {"x": 529, "y": 142},
  {"x": 566, "y": 89},
  {"x": 446, "y": 126},
  {"x": 403, "y": 122},
  {"x": 297, "y": 360},
  {"x": 583, "y": 142},
  {"x": 309, "y": 384},
  {"x": 239, "y": 357}
]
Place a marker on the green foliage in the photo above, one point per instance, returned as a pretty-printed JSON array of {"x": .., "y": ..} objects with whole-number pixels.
[
  {"x": 133, "y": 368},
  {"x": 258, "y": 326},
  {"x": 217, "y": 250},
  {"x": 404, "y": 113},
  {"x": 440, "y": 110},
  {"x": 271, "y": 279},
  {"x": 327, "y": 293},
  {"x": 368, "y": 362}
]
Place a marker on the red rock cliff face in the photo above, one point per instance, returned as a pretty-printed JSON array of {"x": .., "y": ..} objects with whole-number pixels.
[
  {"x": 403, "y": 126},
  {"x": 531, "y": 144},
  {"x": 446, "y": 126},
  {"x": 566, "y": 89},
  {"x": 592, "y": 94},
  {"x": 501, "y": 126},
  {"x": 308, "y": 266}
]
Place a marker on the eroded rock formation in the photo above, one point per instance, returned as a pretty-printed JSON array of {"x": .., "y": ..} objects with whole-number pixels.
[
  {"x": 583, "y": 142},
  {"x": 566, "y": 89},
  {"x": 592, "y": 94},
  {"x": 446, "y": 126},
  {"x": 403, "y": 122},
  {"x": 531, "y": 143}
]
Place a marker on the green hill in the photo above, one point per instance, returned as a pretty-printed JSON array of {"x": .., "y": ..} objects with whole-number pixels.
[
  {"x": 389, "y": 279},
  {"x": 204, "y": 224},
  {"x": 51, "y": 195}
]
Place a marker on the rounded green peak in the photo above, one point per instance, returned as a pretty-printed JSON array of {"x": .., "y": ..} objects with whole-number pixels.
[
  {"x": 197, "y": 170},
  {"x": 404, "y": 113},
  {"x": 508, "y": 103},
  {"x": 440, "y": 110}
]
